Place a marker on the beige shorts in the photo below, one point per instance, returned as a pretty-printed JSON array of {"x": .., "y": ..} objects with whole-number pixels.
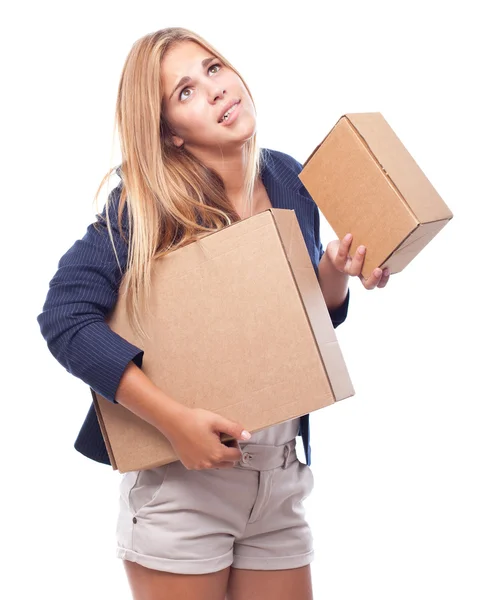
[{"x": 250, "y": 516}]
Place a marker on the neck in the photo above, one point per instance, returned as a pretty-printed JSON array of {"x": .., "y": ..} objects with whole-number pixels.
[{"x": 230, "y": 165}]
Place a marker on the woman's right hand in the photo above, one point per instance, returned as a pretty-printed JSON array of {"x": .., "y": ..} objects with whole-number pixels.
[{"x": 195, "y": 437}]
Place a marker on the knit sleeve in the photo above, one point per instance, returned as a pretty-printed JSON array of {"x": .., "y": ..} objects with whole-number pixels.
[
  {"x": 339, "y": 314},
  {"x": 81, "y": 293}
]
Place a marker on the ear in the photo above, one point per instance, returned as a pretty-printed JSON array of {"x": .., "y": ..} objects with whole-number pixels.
[{"x": 177, "y": 141}]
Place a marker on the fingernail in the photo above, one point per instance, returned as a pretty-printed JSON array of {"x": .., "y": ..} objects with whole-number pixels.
[
  {"x": 245, "y": 435},
  {"x": 386, "y": 272},
  {"x": 348, "y": 237},
  {"x": 378, "y": 272},
  {"x": 362, "y": 249}
]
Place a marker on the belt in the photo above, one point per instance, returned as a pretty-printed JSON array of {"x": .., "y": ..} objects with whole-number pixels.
[{"x": 263, "y": 457}]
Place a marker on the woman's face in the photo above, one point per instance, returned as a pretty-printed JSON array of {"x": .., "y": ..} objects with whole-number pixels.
[{"x": 194, "y": 107}]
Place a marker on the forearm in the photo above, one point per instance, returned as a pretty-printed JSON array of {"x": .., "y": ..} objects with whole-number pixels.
[
  {"x": 141, "y": 396},
  {"x": 333, "y": 283}
]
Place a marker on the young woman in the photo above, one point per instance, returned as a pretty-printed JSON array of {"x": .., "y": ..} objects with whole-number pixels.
[{"x": 222, "y": 521}]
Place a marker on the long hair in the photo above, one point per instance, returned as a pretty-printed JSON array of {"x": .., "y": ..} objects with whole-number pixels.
[{"x": 171, "y": 197}]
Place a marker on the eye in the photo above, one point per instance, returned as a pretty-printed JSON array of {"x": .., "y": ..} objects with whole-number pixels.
[
  {"x": 181, "y": 93},
  {"x": 187, "y": 88},
  {"x": 215, "y": 65}
]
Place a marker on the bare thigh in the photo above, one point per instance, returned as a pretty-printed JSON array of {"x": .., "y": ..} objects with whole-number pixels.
[
  {"x": 149, "y": 584},
  {"x": 287, "y": 584}
]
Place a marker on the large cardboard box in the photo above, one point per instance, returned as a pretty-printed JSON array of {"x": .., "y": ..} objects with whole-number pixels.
[
  {"x": 238, "y": 326},
  {"x": 366, "y": 183}
]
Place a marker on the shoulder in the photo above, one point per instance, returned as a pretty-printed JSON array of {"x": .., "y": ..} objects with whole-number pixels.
[
  {"x": 286, "y": 169},
  {"x": 112, "y": 205},
  {"x": 278, "y": 158}
]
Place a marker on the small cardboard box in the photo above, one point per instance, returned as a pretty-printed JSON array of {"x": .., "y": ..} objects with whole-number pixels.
[
  {"x": 238, "y": 326},
  {"x": 365, "y": 182}
]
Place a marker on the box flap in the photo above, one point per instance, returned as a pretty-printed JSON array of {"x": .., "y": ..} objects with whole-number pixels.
[
  {"x": 309, "y": 292},
  {"x": 399, "y": 166},
  {"x": 96, "y": 403},
  {"x": 321, "y": 143},
  {"x": 412, "y": 245}
]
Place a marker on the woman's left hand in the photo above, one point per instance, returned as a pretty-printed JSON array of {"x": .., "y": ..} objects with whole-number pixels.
[{"x": 338, "y": 253}]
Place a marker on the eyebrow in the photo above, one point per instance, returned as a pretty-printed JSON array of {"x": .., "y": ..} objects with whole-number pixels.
[{"x": 184, "y": 80}]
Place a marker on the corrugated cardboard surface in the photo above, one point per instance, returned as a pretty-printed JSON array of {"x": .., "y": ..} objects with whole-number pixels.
[
  {"x": 414, "y": 243},
  {"x": 314, "y": 303},
  {"x": 400, "y": 167},
  {"x": 366, "y": 182},
  {"x": 238, "y": 325}
]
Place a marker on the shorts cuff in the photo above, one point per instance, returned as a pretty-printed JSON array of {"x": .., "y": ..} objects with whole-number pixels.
[
  {"x": 185, "y": 567},
  {"x": 274, "y": 563}
]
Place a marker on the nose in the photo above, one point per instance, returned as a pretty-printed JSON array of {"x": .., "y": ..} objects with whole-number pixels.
[{"x": 217, "y": 94}]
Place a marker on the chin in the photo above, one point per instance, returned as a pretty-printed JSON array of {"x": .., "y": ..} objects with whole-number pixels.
[
  {"x": 238, "y": 140},
  {"x": 244, "y": 131}
]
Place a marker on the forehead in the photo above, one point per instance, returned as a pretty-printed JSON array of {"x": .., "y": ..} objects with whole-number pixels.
[{"x": 181, "y": 60}]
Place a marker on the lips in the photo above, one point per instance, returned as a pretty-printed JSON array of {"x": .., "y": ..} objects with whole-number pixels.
[{"x": 226, "y": 107}]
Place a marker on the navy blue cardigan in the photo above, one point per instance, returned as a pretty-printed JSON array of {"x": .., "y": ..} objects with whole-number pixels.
[{"x": 85, "y": 288}]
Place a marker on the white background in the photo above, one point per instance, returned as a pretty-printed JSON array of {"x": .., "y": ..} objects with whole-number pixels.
[{"x": 394, "y": 509}]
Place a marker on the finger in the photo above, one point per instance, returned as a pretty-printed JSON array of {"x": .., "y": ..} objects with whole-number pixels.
[
  {"x": 231, "y": 454},
  {"x": 233, "y": 429},
  {"x": 371, "y": 282},
  {"x": 343, "y": 251},
  {"x": 384, "y": 279},
  {"x": 231, "y": 443},
  {"x": 356, "y": 265}
]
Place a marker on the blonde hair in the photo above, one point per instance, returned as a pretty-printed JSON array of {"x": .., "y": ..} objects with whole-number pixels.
[{"x": 171, "y": 196}]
